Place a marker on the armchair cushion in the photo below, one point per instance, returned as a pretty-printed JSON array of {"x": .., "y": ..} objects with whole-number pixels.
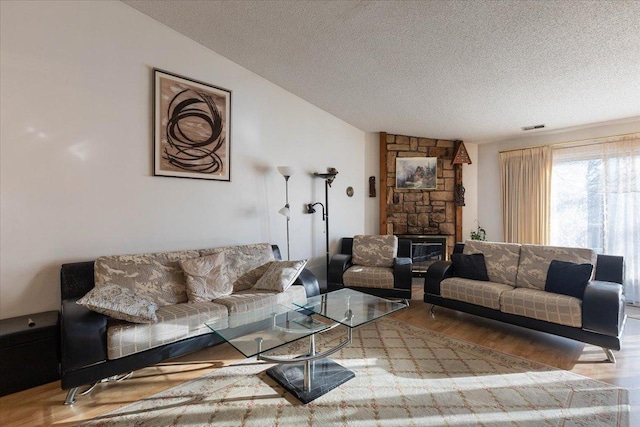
[
  {"x": 361, "y": 276},
  {"x": 375, "y": 251}
]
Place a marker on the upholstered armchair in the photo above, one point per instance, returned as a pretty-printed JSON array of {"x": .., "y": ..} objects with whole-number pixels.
[{"x": 378, "y": 265}]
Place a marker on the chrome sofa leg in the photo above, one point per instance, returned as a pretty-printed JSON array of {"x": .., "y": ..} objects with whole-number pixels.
[
  {"x": 405, "y": 301},
  {"x": 71, "y": 396},
  {"x": 432, "y": 311},
  {"x": 610, "y": 356}
]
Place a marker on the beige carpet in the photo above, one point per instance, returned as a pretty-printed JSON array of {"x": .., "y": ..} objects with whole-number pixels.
[{"x": 405, "y": 376}]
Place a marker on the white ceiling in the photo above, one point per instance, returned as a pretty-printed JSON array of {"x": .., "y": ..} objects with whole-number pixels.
[{"x": 472, "y": 70}]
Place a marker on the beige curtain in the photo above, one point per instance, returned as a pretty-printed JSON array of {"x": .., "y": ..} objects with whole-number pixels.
[{"x": 526, "y": 195}]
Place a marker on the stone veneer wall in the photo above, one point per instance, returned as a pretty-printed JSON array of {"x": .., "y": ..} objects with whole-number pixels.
[{"x": 418, "y": 212}]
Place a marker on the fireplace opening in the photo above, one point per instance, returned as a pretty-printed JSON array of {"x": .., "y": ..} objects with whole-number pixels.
[{"x": 426, "y": 249}]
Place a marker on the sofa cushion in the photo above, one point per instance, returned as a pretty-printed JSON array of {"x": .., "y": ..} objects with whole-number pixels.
[
  {"x": 535, "y": 260},
  {"x": 120, "y": 303},
  {"x": 253, "y": 299},
  {"x": 486, "y": 294},
  {"x": 501, "y": 259},
  {"x": 361, "y": 276},
  {"x": 175, "y": 322},
  {"x": 280, "y": 275},
  {"x": 157, "y": 276},
  {"x": 541, "y": 305},
  {"x": 375, "y": 251},
  {"x": 568, "y": 278},
  {"x": 244, "y": 262},
  {"x": 470, "y": 266},
  {"x": 206, "y": 277}
]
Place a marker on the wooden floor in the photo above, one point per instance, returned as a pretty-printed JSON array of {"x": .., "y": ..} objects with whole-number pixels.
[{"x": 42, "y": 406}]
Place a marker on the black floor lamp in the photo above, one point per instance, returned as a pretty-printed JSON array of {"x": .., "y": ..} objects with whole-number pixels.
[{"x": 328, "y": 180}]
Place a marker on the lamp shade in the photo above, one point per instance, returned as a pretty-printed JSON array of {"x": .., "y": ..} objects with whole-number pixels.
[
  {"x": 285, "y": 170},
  {"x": 285, "y": 211}
]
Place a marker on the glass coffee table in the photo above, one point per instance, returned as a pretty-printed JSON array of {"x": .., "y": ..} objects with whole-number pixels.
[{"x": 309, "y": 375}]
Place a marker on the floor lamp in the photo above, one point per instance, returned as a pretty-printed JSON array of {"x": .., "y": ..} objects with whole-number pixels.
[
  {"x": 328, "y": 179},
  {"x": 286, "y": 171}
]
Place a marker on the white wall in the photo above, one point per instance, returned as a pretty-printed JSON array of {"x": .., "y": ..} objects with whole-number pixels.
[
  {"x": 470, "y": 183},
  {"x": 372, "y": 168},
  {"x": 489, "y": 204},
  {"x": 76, "y": 140}
]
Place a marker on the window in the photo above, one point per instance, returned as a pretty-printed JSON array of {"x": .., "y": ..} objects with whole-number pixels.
[{"x": 595, "y": 201}]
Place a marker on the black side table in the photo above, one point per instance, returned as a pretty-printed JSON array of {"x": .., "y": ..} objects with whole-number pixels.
[{"x": 29, "y": 351}]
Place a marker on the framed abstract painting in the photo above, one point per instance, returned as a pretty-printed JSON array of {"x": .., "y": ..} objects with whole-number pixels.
[{"x": 192, "y": 128}]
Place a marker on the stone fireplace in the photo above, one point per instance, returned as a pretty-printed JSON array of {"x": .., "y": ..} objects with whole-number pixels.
[{"x": 429, "y": 217}]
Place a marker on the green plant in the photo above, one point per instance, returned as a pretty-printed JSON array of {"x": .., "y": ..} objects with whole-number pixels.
[{"x": 479, "y": 234}]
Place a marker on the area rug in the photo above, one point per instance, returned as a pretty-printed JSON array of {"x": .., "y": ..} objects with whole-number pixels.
[{"x": 405, "y": 376}]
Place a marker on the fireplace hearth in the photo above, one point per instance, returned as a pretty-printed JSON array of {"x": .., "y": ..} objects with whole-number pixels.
[{"x": 426, "y": 250}]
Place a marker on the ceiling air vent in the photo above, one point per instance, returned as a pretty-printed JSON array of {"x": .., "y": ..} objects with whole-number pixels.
[{"x": 533, "y": 127}]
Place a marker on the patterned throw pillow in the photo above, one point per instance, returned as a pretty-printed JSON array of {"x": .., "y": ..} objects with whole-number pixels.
[
  {"x": 156, "y": 276},
  {"x": 280, "y": 275},
  {"x": 375, "y": 251},
  {"x": 120, "y": 303},
  {"x": 207, "y": 277}
]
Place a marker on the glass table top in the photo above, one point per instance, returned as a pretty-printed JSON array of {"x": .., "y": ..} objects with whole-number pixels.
[
  {"x": 270, "y": 327},
  {"x": 350, "y": 308},
  {"x": 274, "y": 326}
]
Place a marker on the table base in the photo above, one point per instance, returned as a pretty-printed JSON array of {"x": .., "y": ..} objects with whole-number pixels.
[{"x": 325, "y": 376}]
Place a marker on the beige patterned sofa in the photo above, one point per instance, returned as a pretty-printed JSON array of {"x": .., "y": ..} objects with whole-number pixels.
[
  {"x": 572, "y": 292},
  {"x": 124, "y": 312}
]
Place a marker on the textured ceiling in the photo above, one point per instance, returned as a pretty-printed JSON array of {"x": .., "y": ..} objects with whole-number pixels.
[{"x": 472, "y": 70}]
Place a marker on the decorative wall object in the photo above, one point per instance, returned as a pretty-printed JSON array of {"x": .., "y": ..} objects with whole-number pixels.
[
  {"x": 416, "y": 173},
  {"x": 192, "y": 128},
  {"x": 372, "y": 186}
]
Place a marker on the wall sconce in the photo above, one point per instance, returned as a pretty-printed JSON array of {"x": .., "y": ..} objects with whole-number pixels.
[{"x": 286, "y": 171}]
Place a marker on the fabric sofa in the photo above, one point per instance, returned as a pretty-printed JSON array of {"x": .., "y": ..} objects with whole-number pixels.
[
  {"x": 167, "y": 299},
  {"x": 527, "y": 286}
]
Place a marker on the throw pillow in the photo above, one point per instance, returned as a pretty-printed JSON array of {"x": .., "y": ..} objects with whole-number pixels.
[
  {"x": 470, "y": 266},
  {"x": 567, "y": 278},
  {"x": 375, "y": 251},
  {"x": 207, "y": 277},
  {"x": 120, "y": 303},
  {"x": 280, "y": 275}
]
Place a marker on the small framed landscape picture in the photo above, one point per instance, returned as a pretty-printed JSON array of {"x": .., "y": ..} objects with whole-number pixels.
[
  {"x": 192, "y": 128},
  {"x": 416, "y": 173}
]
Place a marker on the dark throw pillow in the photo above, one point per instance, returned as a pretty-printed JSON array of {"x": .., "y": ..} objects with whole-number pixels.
[
  {"x": 470, "y": 266},
  {"x": 567, "y": 278}
]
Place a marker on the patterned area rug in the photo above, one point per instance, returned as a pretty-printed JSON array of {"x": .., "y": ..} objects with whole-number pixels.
[{"x": 405, "y": 376}]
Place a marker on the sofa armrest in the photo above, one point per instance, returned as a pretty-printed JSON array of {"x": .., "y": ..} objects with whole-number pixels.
[
  {"x": 83, "y": 335},
  {"x": 309, "y": 281},
  {"x": 402, "y": 273},
  {"x": 603, "y": 308},
  {"x": 338, "y": 264},
  {"x": 436, "y": 273}
]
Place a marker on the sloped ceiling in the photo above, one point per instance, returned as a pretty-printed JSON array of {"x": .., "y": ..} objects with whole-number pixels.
[{"x": 472, "y": 70}]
